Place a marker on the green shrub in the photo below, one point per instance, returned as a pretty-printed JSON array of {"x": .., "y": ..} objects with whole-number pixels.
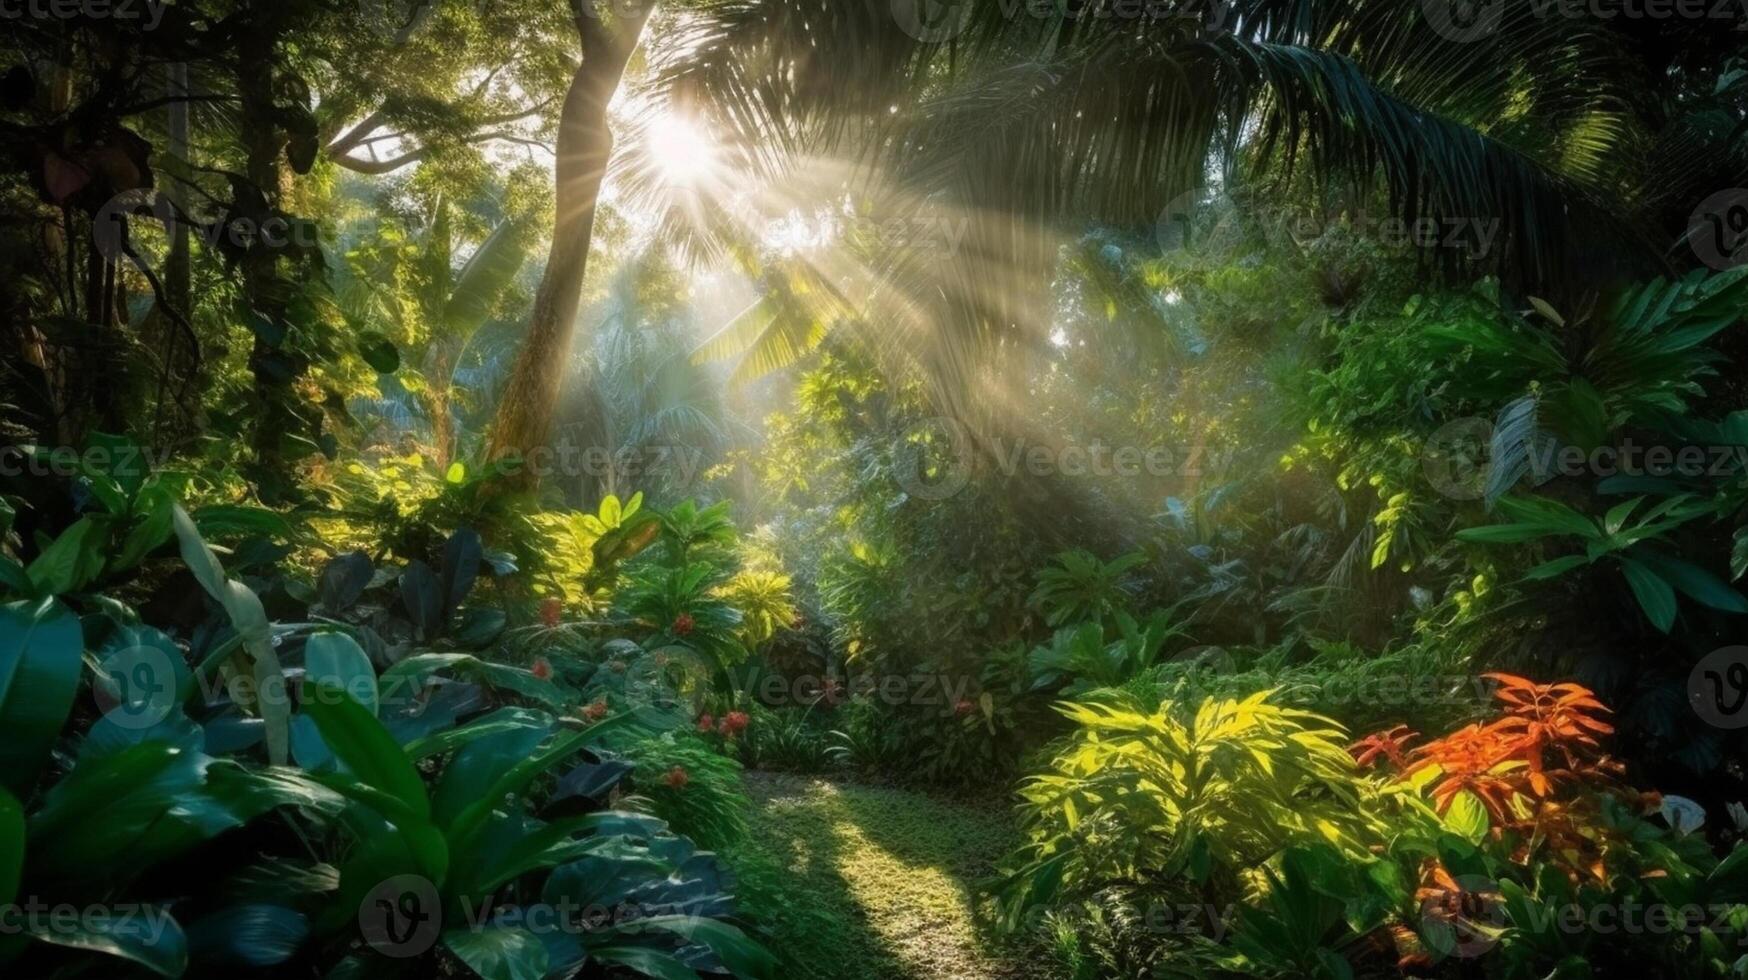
[{"x": 695, "y": 789}]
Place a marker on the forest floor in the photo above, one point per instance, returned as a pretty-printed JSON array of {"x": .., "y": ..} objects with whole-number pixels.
[{"x": 870, "y": 881}]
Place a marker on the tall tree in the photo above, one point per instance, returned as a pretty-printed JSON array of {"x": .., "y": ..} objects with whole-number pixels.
[{"x": 609, "y": 34}]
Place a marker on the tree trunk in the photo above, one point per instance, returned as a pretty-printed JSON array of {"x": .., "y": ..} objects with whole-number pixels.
[
  {"x": 263, "y": 145},
  {"x": 177, "y": 268},
  {"x": 524, "y": 418}
]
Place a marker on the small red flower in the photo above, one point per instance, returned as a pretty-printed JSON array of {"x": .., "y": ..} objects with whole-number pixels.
[
  {"x": 678, "y": 777},
  {"x": 734, "y": 723},
  {"x": 683, "y": 624},
  {"x": 551, "y": 608},
  {"x": 832, "y": 691},
  {"x": 541, "y": 669},
  {"x": 706, "y": 723},
  {"x": 596, "y": 710},
  {"x": 964, "y": 707}
]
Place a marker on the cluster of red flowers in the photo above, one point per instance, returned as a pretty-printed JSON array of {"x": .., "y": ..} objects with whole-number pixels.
[
  {"x": 596, "y": 710},
  {"x": 678, "y": 777},
  {"x": 541, "y": 669},
  {"x": 683, "y": 624},
  {"x": 729, "y": 725}
]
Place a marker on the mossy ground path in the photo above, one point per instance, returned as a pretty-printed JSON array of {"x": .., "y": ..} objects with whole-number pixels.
[{"x": 875, "y": 881}]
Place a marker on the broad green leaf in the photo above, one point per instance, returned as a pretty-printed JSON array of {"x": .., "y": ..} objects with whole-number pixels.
[
  {"x": 483, "y": 279},
  {"x": 41, "y": 657},
  {"x": 248, "y": 936},
  {"x": 1656, "y": 597},
  {"x": 197, "y": 556},
  {"x": 644, "y": 960},
  {"x": 1467, "y": 817},
  {"x": 334, "y": 659},
  {"x": 73, "y": 560},
  {"x": 516, "y": 779},
  {"x": 1555, "y": 568},
  {"x": 238, "y": 519},
  {"x": 501, "y": 720},
  {"x": 507, "y": 737},
  {"x": 1693, "y": 581},
  {"x": 360, "y": 742},
  {"x": 11, "y": 846},
  {"x": 1507, "y": 533},
  {"x": 148, "y": 936},
  {"x": 247, "y": 616},
  {"x": 742, "y": 956},
  {"x": 155, "y": 509},
  {"x": 422, "y": 595},
  {"x": 499, "y": 952}
]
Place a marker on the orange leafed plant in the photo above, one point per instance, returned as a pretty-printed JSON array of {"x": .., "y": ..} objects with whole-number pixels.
[
  {"x": 1391, "y": 745},
  {"x": 1546, "y": 737}
]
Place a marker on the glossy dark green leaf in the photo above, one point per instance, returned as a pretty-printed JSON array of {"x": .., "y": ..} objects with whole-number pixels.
[
  {"x": 479, "y": 628},
  {"x": 461, "y": 560},
  {"x": 73, "y": 560},
  {"x": 499, "y": 952},
  {"x": 227, "y": 520},
  {"x": 645, "y": 960},
  {"x": 343, "y": 580},
  {"x": 422, "y": 595},
  {"x": 334, "y": 659},
  {"x": 147, "y": 936},
  {"x": 12, "y": 853},
  {"x": 742, "y": 956},
  {"x": 506, "y": 738},
  {"x": 359, "y": 741},
  {"x": 41, "y": 656},
  {"x": 253, "y": 935}
]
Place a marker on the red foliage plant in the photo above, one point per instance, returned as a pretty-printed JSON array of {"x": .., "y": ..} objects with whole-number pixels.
[{"x": 1536, "y": 768}]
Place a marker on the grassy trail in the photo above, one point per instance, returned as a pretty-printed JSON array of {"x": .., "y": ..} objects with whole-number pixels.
[{"x": 874, "y": 882}]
